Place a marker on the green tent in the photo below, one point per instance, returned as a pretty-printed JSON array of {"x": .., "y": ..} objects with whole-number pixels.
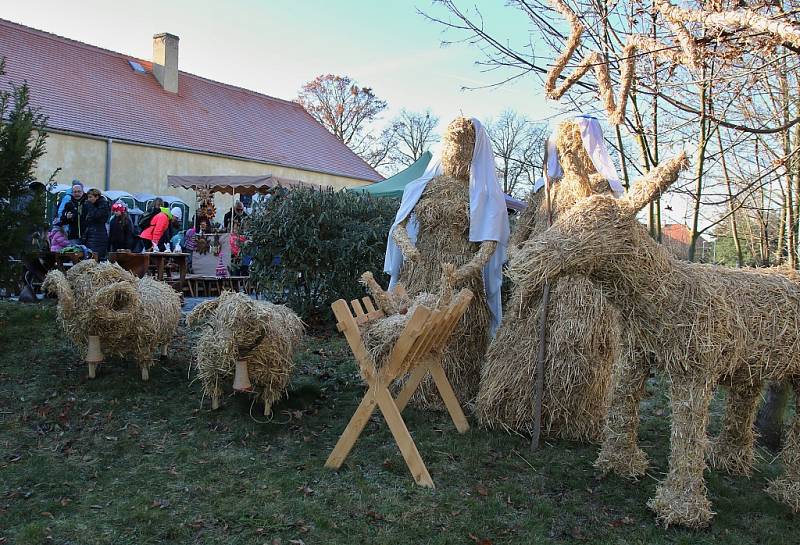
[{"x": 393, "y": 187}]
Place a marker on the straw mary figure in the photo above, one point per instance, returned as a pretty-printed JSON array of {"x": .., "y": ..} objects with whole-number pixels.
[
  {"x": 455, "y": 213},
  {"x": 701, "y": 325},
  {"x": 582, "y": 337},
  {"x": 105, "y": 310},
  {"x": 253, "y": 341}
]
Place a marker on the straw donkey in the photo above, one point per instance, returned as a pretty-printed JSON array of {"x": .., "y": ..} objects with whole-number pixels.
[{"x": 702, "y": 325}]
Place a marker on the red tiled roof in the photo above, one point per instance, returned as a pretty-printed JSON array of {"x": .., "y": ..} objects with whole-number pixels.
[
  {"x": 89, "y": 90},
  {"x": 678, "y": 232}
]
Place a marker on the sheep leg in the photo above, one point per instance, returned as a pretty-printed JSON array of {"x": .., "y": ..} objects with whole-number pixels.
[
  {"x": 682, "y": 497},
  {"x": 620, "y": 452},
  {"x": 786, "y": 488},
  {"x": 733, "y": 450},
  {"x": 164, "y": 351}
]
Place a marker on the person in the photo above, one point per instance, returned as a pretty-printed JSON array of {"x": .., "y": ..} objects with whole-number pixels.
[
  {"x": 190, "y": 242},
  {"x": 56, "y": 237},
  {"x": 155, "y": 234},
  {"x": 147, "y": 217},
  {"x": 233, "y": 222},
  {"x": 72, "y": 213},
  {"x": 98, "y": 209},
  {"x": 120, "y": 228}
]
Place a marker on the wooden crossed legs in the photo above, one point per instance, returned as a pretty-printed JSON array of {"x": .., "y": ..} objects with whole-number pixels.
[{"x": 426, "y": 358}]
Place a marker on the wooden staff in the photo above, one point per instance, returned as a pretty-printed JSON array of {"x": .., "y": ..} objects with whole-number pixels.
[{"x": 542, "y": 352}]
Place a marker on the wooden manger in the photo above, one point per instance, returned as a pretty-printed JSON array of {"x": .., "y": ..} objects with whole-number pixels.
[{"x": 417, "y": 352}]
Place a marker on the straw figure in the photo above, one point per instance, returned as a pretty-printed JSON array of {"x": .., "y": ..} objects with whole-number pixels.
[
  {"x": 702, "y": 325},
  {"x": 251, "y": 341},
  {"x": 105, "y": 310},
  {"x": 583, "y": 335},
  {"x": 459, "y": 218}
]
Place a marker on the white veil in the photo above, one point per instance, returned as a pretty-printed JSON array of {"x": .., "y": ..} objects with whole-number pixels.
[
  {"x": 593, "y": 143},
  {"x": 488, "y": 218}
]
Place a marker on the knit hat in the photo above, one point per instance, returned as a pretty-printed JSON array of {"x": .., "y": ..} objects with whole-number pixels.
[
  {"x": 177, "y": 213},
  {"x": 119, "y": 206}
]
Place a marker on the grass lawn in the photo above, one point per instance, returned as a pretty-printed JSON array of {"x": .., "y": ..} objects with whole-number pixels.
[{"x": 118, "y": 460}]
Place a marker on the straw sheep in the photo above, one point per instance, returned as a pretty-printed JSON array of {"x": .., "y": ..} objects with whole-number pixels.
[
  {"x": 251, "y": 340},
  {"x": 702, "y": 325},
  {"x": 106, "y": 310},
  {"x": 582, "y": 327}
]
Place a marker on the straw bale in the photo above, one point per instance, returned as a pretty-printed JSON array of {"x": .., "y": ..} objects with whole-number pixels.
[
  {"x": 702, "y": 325},
  {"x": 583, "y": 331},
  {"x": 234, "y": 328}
]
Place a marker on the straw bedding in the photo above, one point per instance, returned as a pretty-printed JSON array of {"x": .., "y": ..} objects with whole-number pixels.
[
  {"x": 131, "y": 316},
  {"x": 443, "y": 237},
  {"x": 582, "y": 327},
  {"x": 234, "y": 327},
  {"x": 700, "y": 324}
]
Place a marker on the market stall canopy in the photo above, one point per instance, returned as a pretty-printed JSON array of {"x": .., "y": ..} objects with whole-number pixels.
[
  {"x": 243, "y": 185},
  {"x": 394, "y": 186}
]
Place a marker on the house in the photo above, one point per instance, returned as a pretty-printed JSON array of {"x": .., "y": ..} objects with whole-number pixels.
[
  {"x": 122, "y": 123},
  {"x": 677, "y": 238}
]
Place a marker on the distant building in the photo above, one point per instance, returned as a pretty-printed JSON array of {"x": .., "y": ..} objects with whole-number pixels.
[
  {"x": 677, "y": 238},
  {"x": 121, "y": 123}
]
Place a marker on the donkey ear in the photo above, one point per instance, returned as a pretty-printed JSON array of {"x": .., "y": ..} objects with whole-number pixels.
[{"x": 648, "y": 188}]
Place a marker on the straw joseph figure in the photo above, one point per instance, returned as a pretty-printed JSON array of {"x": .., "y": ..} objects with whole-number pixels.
[
  {"x": 582, "y": 339},
  {"x": 701, "y": 325},
  {"x": 455, "y": 214},
  {"x": 105, "y": 310}
]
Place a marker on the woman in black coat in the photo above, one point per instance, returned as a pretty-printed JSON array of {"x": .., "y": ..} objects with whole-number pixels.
[
  {"x": 98, "y": 210},
  {"x": 121, "y": 235}
]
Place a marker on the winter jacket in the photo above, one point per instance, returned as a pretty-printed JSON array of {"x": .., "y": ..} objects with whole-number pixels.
[
  {"x": 57, "y": 239},
  {"x": 190, "y": 240},
  {"x": 159, "y": 226},
  {"x": 75, "y": 228},
  {"x": 120, "y": 234},
  {"x": 96, "y": 236}
]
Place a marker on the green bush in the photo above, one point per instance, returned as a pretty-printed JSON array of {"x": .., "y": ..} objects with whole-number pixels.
[{"x": 309, "y": 247}]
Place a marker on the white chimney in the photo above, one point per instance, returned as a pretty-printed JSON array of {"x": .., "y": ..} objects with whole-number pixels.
[{"x": 165, "y": 61}]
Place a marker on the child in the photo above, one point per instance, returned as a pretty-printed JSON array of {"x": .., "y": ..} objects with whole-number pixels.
[
  {"x": 57, "y": 237},
  {"x": 121, "y": 235}
]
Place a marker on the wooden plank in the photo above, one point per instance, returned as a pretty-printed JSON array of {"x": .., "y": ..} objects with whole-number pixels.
[
  {"x": 401, "y": 348},
  {"x": 356, "y": 304},
  {"x": 352, "y": 432},
  {"x": 404, "y": 441},
  {"x": 347, "y": 325},
  {"x": 449, "y": 397},
  {"x": 368, "y": 304},
  {"x": 417, "y": 374},
  {"x": 374, "y": 315}
]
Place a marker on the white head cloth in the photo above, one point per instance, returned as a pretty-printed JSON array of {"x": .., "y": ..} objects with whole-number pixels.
[
  {"x": 488, "y": 218},
  {"x": 593, "y": 143}
]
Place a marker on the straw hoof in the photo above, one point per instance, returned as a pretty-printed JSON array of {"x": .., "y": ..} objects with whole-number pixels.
[
  {"x": 145, "y": 374},
  {"x": 786, "y": 491},
  {"x": 685, "y": 504},
  {"x": 630, "y": 463},
  {"x": 164, "y": 352},
  {"x": 733, "y": 459},
  {"x": 267, "y": 409},
  {"x": 215, "y": 403},
  {"x": 92, "y": 370}
]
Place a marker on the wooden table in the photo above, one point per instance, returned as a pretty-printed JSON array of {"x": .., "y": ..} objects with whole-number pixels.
[{"x": 159, "y": 259}]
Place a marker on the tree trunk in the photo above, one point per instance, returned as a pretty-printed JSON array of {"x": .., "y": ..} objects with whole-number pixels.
[
  {"x": 701, "y": 154},
  {"x": 769, "y": 422},
  {"x": 731, "y": 205}
]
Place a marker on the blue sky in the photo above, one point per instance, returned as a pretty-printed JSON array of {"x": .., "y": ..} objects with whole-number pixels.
[{"x": 274, "y": 46}]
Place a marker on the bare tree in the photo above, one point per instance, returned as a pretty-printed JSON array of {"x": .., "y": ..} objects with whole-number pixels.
[
  {"x": 344, "y": 108},
  {"x": 518, "y": 145},
  {"x": 413, "y": 133}
]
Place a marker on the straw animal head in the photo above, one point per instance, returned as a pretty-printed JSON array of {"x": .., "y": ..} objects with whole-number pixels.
[
  {"x": 458, "y": 146},
  {"x": 595, "y": 234},
  {"x": 572, "y": 155}
]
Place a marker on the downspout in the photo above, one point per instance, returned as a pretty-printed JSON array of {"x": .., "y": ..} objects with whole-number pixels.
[{"x": 107, "y": 184}]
